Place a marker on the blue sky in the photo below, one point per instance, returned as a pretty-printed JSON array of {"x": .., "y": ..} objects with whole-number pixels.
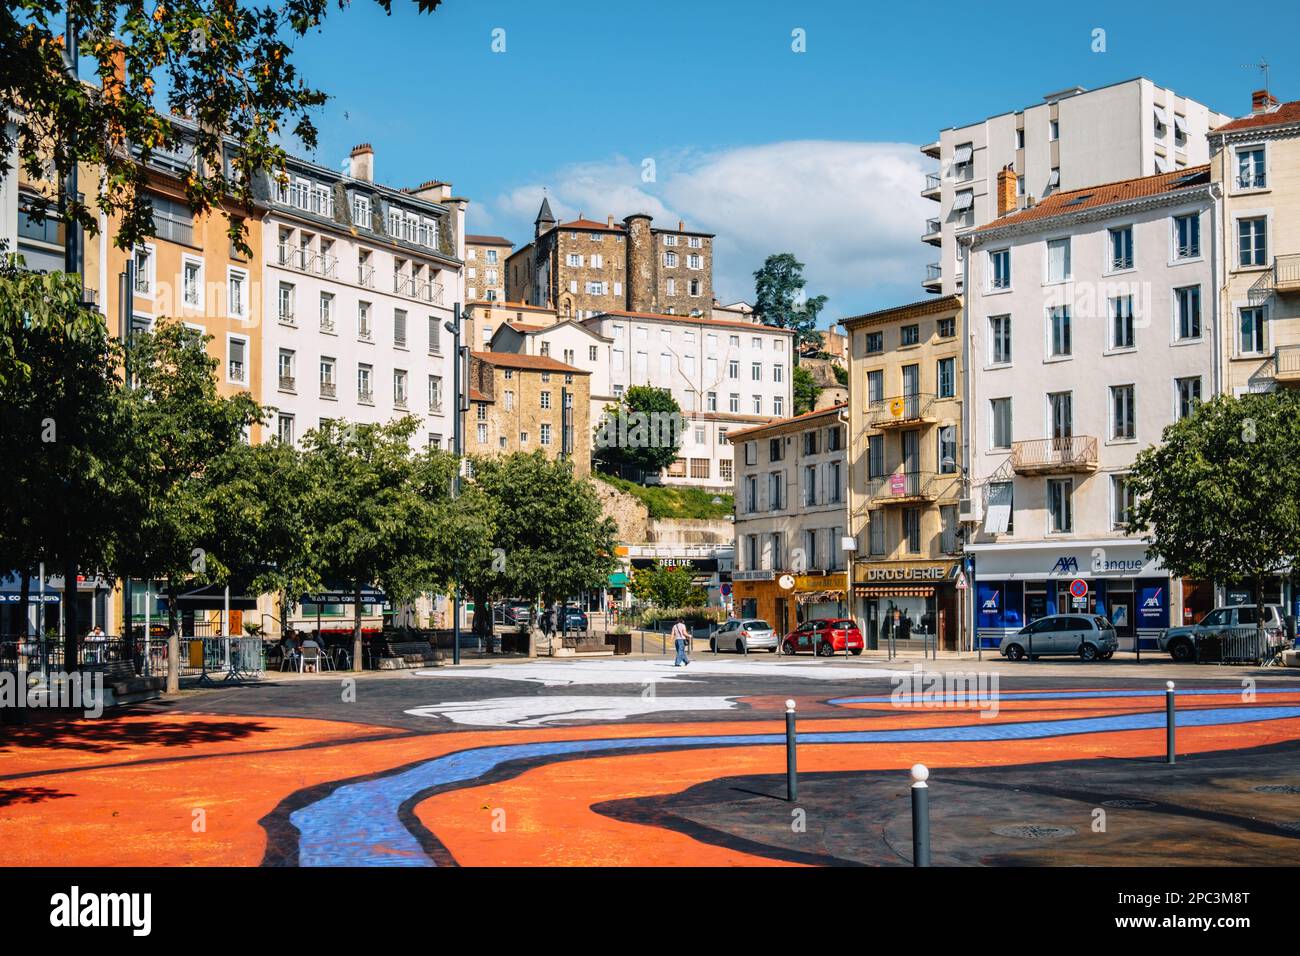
[{"x": 812, "y": 152}]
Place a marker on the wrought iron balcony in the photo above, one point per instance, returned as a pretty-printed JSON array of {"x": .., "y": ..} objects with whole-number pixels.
[
  {"x": 903, "y": 487},
  {"x": 902, "y": 410},
  {"x": 1074, "y": 454}
]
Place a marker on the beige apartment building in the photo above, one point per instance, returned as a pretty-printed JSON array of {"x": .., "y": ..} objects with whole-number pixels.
[
  {"x": 905, "y": 464},
  {"x": 528, "y": 403},
  {"x": 791, "y": 513},
  {"x": 485, "y": 267},
  {"x": 1255, "y": 166}
]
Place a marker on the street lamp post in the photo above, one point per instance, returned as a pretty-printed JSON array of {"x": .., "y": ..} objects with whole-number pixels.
[{"x": 457, "y": 447}]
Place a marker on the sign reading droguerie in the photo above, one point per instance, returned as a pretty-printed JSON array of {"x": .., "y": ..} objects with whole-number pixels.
[{"x": 910, "y": 572}]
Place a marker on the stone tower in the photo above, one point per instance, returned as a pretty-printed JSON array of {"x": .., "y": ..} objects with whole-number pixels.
[
  {"x": 545, "y": 218},
  {"x": 640, "y": 263}
]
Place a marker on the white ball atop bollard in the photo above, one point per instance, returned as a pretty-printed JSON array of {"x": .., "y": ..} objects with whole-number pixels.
[
  {"x": 789, "y": 706},
  {"x": 1169, "y": 685},
  {"x": 920, "y": 774}
]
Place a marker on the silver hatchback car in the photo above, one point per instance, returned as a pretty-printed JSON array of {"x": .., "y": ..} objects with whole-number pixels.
[
  {"x": 743, "y": 635},
  {"x": 1090, "y": 636}
]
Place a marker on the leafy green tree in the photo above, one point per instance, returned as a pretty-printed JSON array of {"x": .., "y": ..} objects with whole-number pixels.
[
  {"x": 806, "y": 390},
  {"x": 667, "y": 586},
  {"x": 1219, "y": 498},
  {"x": 263, "y": 541},
  {"x": 369, "y": 525},
  {"x": 178, "y": 425},
  {"x": 643, "y": 433},
  {"x": 31, "y": 302},
  {"x": 551, "y": 539},
  {"x": 777, "y": 289},
  {"x": 226, "y": 65},
  {"x": 841, "y": 373},
  {"x": 62, "y": 430}
]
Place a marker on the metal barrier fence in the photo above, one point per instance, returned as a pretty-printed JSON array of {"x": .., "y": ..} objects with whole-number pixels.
[
  {"x": 233, "y": 658},
  {"x": 1235, "y": 645}
]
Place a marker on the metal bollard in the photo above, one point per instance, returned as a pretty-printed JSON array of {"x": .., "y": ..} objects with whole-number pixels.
[
  {"x": 1170, "y": 722},
  {"x": 920, "y": 815},
  {"x": 791, "y": 771}
]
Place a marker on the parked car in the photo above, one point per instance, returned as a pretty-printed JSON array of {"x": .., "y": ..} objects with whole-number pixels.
[
  {"x": 1181, "y": 642},
  {"x": 824, "y": 637},
  {"x": 1090, "y": 636},
  {"x": 743, "y": 635},
  {"x": 513, "y": 613},
  {"x": 572, "y": 619}
]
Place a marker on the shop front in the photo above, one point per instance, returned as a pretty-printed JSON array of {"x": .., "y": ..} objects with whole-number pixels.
[
  {"x": 1015, "y": 586},
  {"x": 760, "y": 594},
  {"x": 908, "y": 600}
]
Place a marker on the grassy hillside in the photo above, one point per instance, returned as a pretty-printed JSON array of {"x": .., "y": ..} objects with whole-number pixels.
[{"x": 664, "y": 502}]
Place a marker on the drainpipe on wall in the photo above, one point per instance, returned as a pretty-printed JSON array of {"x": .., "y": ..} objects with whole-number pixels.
[{"x": 1217, "y": 375}]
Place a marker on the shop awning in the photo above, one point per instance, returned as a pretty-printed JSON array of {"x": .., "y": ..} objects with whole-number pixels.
[
  {"x": 893, "y": 590},
  {"x": 618, "y": 580},
  {"x": 211, "y": 597}
]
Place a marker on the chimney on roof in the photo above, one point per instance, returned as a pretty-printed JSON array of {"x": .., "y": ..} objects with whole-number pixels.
[
  {"x": 681, "y": 226},
  {"x": 1006, "y": 190},
  {"x": 609, "y": 220},
  {"x": 362, "y": 165},
  {"x": 1261, "y": 101}
]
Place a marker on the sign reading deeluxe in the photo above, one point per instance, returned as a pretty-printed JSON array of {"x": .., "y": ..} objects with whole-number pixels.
[{"x": 77, "y": 909}]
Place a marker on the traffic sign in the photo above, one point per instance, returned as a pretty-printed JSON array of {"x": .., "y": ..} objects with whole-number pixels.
[
  {"x": 1079, "y": 588},
  {"x": 961, "y": 580}
]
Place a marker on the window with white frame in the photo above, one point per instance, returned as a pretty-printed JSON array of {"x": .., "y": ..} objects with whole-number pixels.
[
  {"x": 145, "y": 266},
  {"x": 237, "y": 359},
  {"x": 1251, "y": 173},
  {"x": 327, "y": 312},
  {"x": 284, "y": 428},
  {"x": 1252, "y": 242},
  {"x": 778, "y": 405},
  {"x": 1123, "y": 414},
  {"x": 361, "y": 211},
  {"x": 1187, "y": 395},
  {"x": 327, "y": 381},
  {"x": 1000, "y": 269},
  {"x": 1058, "y": 260},
  {"x": 365, "y": 383},
  {"x": 670, "y": 260},
  {"x": 999, "y": 340},
  {"x": 1187, "y": 313},
  {"x": 365, "y": 330},
  {"x": 1121, "y": 322},
  {"x": 1122, "y": 501},
  {"x": 733, "y": 402},
  {"x": 694, "y": 261},
  {"x": 1000, "y": 423},
  {"x": 1060, "y": 505},
  {"x": 1121, "y": 248},
  {"x": 285, "y": 367},
  {"x": 399, "y": 328},
  {"x": 435, "y": 393},
  {"x": 544, "y": 433},
  {"x": 1187, "y": 236},
  {"x": 399, "y": 387},
  {"x": 758, "y": 404},
  {"x": 1059, "y": 343},
  {"x": 192, "y": 282},
  {"x": 237, "y": 293},
  {"x": 1252, "y": 330}
]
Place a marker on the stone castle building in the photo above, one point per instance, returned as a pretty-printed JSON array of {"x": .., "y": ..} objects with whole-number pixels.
[{"x": 583, "y": 268}]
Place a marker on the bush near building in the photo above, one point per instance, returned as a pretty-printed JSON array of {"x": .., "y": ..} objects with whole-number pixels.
[{"x": 666, "y": 502}]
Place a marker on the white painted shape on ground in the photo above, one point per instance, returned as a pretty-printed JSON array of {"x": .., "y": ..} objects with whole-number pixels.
[
  {"x": 566, "y": 674},
  {"x": 546, "y": 711}
]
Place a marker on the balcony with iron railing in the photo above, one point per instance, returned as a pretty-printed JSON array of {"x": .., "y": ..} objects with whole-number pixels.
[
  {"x": 237, "y": 371},
  {"x": 1072, "y": 454},
  {"x": 1252, "y": 180},
  {"x": 933, "y": 232},
  {"x": 326, "y": 324},
  {"x": 1286, "y": 364},
  {"x": 902, "y": 410},
  {"x": 933, "y": 276},
  {"x": 416, "y": 288},
  {"x": 933, "y": 186},
  {"x": 287, "y": 317},
  {"x": 366, "y": 276},
  {"x": 1286, "y": 273},
  {"x": 399, "y": 401},
  {"x": 365, "y": 396},
  {"x": 903, "y": 487}
]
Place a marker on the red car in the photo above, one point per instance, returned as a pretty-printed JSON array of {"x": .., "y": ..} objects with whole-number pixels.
[{"x": 824, "y": 637}]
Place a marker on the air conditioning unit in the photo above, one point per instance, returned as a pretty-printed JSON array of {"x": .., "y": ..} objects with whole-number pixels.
[{"x": 969, "y": 510}]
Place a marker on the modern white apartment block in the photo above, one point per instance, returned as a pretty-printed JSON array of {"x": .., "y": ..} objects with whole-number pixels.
[
  {"x": 358, "y": 281},
  {"x": 725, "y": 375},
  {"x": 1092, "y": 324},
  {"x": 1255, "y": 166},
  {"x": 1074, "y": 138}
]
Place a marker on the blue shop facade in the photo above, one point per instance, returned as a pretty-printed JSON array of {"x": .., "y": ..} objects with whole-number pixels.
[{"x": 1016, "y": 585}]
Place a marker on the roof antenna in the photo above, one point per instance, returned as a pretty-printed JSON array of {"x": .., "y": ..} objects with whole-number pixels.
[{"x": 1262, "y": 66}]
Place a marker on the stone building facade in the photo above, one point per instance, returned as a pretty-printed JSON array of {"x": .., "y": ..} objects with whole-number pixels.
[
  {"x": 485, "y": 267},
  {"x": 528, "y": 403},
  {"x": 583, "y": 267}
]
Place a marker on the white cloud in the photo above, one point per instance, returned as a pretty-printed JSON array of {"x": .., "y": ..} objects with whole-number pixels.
[{"x": 851, "y": 212}]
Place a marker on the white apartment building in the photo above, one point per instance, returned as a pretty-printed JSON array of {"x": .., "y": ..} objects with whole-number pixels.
[
  {"x": 1074, "y": 138},
  {"x": 1092, "y": 325},
  {"x": 725, "y": 375},
  {"x": 358, "y": 281},
  {"x": 570, "y": 342}
]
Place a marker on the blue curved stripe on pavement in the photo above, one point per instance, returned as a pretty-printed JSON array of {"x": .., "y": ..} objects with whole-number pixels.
[
  {"x": 358, "y": 824},
  {"x": 1010, "y": 695}
]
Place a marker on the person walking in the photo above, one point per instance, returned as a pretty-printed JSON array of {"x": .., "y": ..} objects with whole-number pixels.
[{"x": 681, "y": 640}]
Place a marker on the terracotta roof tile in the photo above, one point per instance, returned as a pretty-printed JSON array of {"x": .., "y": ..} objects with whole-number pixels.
[
  {"x": 1284, "y": 115},
  {"x": 487, "y": 240},
  {"x": 540, "y": 363},
  {"x": 1127, "y": 190},
  {"x": 778, "y": 422},
  {"x": 476, "y": 396}
]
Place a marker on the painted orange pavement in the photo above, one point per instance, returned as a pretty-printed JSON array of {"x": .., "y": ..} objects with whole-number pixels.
[{"x": 123, "y": 790}]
